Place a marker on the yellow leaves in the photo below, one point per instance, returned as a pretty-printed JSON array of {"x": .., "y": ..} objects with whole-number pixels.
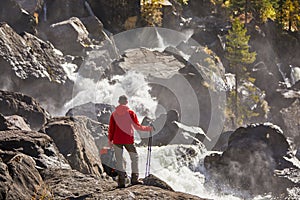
[{"x": 151, "y": 12}]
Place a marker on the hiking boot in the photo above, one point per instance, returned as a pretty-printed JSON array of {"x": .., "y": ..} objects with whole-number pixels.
[
  {"x": 135, "y": 180},
  {"x": 121, "y": 181}
]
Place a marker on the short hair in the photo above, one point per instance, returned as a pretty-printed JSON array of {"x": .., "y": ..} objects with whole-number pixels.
[{"x": 123, "y": 99}]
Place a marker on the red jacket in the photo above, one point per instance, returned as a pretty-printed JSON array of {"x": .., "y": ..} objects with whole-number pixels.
[{"x": 122, "y": 123}]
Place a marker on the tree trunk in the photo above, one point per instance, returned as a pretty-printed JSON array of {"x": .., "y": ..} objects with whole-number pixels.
[
  {"x": 246, "y": 13},
  {"x": 236, "y": 97}
]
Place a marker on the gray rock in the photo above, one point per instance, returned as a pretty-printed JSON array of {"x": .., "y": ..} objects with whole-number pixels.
[
  {"x": 70, "y": 36},
  {"x": 114, "y": 14},
  {"x": 152, "y": 180},
  {"x": 13, "y": 122},
  {"x": 19, "y": 19},
  {"x": 71, "y": 184},
  {"x": 154, "y": 63},
  {"x": 95, "y": 27},
  {"x": 250, "y": 162},
  {"x": 165, "y": 129},
  {"x": 95, "y": 111},
  {"x": 31, "y": 5},
  {"x": 76, "y": 143},
  {"x": 33, "y": 67},
  {"x": 36, "y": 145},
  {"x": 25, "y": 106},
  {"x": 19, "y": 178}
]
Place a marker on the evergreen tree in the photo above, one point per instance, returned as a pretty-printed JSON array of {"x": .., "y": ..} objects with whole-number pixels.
[
  {"x": 261, "y": 10},
  {"x": 288, "y": 14},
  {"x": 238, "y": 55},
  {"x": 152, "y": 11}
]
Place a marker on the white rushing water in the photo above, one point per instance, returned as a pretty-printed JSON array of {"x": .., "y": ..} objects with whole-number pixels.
[
  {"x": 183, "y": 172},
  {"x": 132, "y": 84}
]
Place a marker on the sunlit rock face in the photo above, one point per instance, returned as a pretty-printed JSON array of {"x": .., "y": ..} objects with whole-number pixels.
[
  {"x": 252, "y": 159},
  {"x": 76, "y": 143},
  {"x": 32, "y": 66}
]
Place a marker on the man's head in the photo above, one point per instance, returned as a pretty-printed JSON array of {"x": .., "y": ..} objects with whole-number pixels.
[{"x": 123, "y": 100}]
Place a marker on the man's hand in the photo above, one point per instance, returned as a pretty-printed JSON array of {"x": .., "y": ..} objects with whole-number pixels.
[
  {"x": 110, "y": 143},
  {"x": 150, "y": 128}
]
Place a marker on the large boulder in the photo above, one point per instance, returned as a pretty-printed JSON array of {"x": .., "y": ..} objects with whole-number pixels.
[
  {"x": 31, "y": 66},
  {"x": 154, "y": 63},
  {"x": 165, "y": 129},
  {"x": 252, "y": 160},
  {"x": 114, "y": 14},
  {"x": 19, "y": 104},
  {"x": 38, "y": 146},
  {"x": 76, "y": 143},
  {"x": 95, "y": 111},
  {"x": 70, "y": 36},
  {"x": 13, "y": 13},
  {"x": 152, "y": 180},
  {"x": 95, "y": 28}
]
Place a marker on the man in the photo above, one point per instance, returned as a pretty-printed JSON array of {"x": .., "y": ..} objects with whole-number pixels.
[{"x": 122, "y": 123}]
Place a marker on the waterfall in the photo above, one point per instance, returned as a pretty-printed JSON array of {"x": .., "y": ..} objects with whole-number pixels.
[{"x": 45, "y": 11}]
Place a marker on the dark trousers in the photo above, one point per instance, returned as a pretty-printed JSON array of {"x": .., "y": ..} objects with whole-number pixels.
[{"x": 133, "y": 157}]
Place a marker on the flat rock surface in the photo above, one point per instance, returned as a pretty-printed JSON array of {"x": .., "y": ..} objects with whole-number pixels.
[{"x": 160, "y": 65}]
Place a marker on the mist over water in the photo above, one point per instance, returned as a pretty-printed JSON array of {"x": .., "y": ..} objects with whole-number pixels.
[{"x": 131, "y": 84}]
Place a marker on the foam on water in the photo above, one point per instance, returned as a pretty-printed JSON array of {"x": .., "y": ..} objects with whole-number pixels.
[
  {"x": 131, "y": 84},
  {"x": 182, "y": 172}
]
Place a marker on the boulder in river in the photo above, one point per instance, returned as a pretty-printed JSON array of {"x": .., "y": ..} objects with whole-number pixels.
[{"x": 252, "y": 160}]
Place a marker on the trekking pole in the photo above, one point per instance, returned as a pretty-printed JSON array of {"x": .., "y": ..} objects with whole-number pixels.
[{"x": 148, "y": 163}]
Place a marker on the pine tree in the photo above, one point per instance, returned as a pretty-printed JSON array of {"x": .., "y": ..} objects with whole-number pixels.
[
  {"x": 152, "y": 11},
  {"x": 288, "y": 14},
  {"x": 261, "y": 10},
  {"x": 238, "y": 55}
]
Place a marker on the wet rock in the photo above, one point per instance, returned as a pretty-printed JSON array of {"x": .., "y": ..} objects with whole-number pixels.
[
  {"x": 165, "y": 129},
  {"x": 95, "y": 28},
  {"x": 13, "y": 122},
  {"x": 152, "y": 180},
  {"x": 36, "y": 145},
  {"x": 76, "y": 143},
  {"x": 30, "y": 66},
  {"x": 69, "y": 36},
  {"x": 222, "y": 141},
  {"x": 19, "y": 104},
  {"x": 249, "y": 163},
  {"x": 95, "y": 111},
  {"x": 19, "y": 19}
]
